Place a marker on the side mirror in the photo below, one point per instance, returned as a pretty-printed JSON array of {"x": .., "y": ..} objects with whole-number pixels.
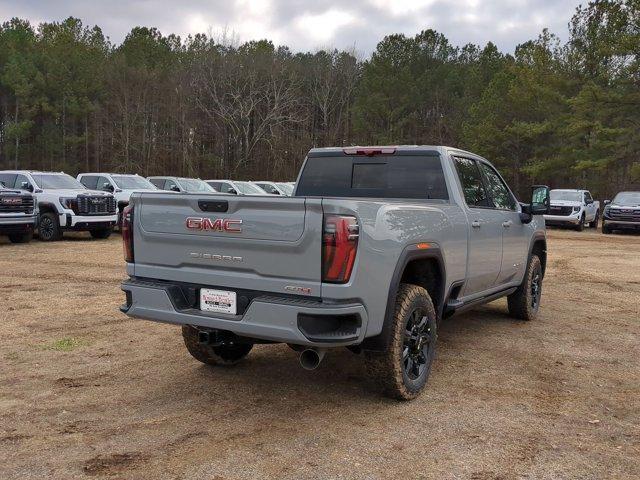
[
  {"x": 607, "y": 202},
  {"x": 26, "y": 186},
  {"x": 107, "y": 186},
  {"x": 174, "y": 188},
  {"x": 232, "y": 191},
  {"x": 540, "y": 203},
  {"x": 588, "y": 202}
]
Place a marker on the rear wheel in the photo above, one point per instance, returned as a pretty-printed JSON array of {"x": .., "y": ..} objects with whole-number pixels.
[
  {"x": 402, "y": 371},
  {"x": 21, "y": 237},
  {"x": 228, "y": 354},
  {"x": 49, "y": 228},
  {"x": 524, "y": 303},
  {"x": 101, "y": 233}
]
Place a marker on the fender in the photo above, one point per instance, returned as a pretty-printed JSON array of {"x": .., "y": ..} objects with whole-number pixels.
[{"x": 410, "y": 253}]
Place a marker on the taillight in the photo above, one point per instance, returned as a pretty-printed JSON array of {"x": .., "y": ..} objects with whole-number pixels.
[
  {"x": 339, "y": 247},
  {"x": 126, "y": 229}
]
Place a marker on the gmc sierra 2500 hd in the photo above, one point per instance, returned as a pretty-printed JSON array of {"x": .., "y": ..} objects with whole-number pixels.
[{"x": 375, "y": 247}]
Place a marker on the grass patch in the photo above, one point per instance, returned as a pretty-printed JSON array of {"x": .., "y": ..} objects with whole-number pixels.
[{"x": 66, "y": 344}]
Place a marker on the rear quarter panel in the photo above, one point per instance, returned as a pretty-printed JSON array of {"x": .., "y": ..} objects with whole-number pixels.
[{"x": 387, "y": 228}]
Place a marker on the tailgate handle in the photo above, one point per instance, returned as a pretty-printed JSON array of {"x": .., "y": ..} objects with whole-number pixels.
[{"x": 213, "y": 205}]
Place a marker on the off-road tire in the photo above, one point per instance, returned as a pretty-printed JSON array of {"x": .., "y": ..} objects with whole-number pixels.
[
  {"x": 49, "y": 227},
  {"x": 580, "y": 226},
  {"x": 222, "y": 355},
  {"x": 606, "y": 230},
  {"x": 102, "y": 233},
  {"x": 388, "y": 369},
  {"x": 594, "y": 222},
  {"x": 21, "y": 237},
  {"x": 521, "y": 302}
]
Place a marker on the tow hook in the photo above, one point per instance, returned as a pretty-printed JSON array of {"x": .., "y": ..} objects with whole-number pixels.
[{"x": 310, "y": 358}]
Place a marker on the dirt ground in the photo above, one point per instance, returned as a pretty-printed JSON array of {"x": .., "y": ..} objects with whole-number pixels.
[{"x": 87, "y": 392}]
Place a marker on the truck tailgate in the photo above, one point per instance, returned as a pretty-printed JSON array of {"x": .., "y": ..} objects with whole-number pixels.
[{"x": 252, "y": 243}]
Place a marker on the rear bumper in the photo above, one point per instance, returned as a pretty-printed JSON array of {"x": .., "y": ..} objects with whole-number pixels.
[
  {"x": 87, "y": 222},
  {"x": 287, "y": 320}
]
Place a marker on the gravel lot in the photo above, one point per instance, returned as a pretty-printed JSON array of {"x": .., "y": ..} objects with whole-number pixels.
[{"x": 87, "y": 392}]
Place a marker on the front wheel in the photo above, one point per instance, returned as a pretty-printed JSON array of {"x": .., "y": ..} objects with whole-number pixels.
[
  {"x": 101, "y": 233},
  {"x": 49, "y": 228},
  {"x": 228, "y": 354},
  {"x": 524, "y": 303},
  {"x": 21, "y": 237},
  {"x": 605, "y": 229},
  {"x": 580, "y": 226},
  {"x": 594, "y": 222},
  {"x": 403, "y": 369}
]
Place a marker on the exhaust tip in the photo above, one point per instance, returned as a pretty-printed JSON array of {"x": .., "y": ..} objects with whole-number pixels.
[{"x": 310, "y": 358}]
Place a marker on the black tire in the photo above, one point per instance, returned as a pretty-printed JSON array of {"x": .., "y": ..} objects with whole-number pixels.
[
  {"x": 606, "y": 230},
  {"x": 403, "y": 369},
  {"x": 580, "y": 226},
  {"x": 49, "y": 227},
  {"x": 594, "y": 222},
  {"x": 21, "y": 237},
  {"x": 222, "y": 355},
  {"x": 524, "y": 303},
  {"x": 101, "y": 233}
]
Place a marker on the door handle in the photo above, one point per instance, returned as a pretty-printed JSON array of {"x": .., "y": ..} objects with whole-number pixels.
[
  {"x": 475, "y": 224},
  {"x": 507, "y": 224}
]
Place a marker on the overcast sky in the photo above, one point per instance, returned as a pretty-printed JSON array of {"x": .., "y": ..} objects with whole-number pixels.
[{"x": 311, "y": 24}]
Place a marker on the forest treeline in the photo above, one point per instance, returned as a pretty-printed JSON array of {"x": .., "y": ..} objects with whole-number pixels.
[{"x": 564, "y": 114}]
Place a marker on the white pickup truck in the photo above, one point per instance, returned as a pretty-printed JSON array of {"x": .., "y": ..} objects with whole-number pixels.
[{"x": 573, "y": 208}]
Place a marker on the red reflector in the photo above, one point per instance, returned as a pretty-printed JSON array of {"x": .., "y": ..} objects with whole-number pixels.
[
  {"x": 339, "y": 247},
  {"x": 126, "y": 229},
  {"x": 369, "y": 151}
]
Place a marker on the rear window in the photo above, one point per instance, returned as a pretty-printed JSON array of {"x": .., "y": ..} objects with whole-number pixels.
[{"x": 397, "y": 176}]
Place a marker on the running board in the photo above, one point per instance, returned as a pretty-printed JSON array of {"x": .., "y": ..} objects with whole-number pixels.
[{"x": 455, "y": 306}]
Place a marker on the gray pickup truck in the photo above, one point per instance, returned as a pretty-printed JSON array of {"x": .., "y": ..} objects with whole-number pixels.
[{"x": 376, "y": 246}]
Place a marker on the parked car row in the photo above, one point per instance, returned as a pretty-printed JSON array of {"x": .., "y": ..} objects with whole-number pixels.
[
  {"x": 577, "y": 209},
  {"x": 54, "y": 202}
]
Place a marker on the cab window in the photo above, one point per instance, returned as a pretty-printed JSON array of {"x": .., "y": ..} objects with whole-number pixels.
[
  {"x": 475, "y": 194},
  {"x": 104, "y": 184},
  {"x": 158, "y": 182},
  {"x": 268, "y": 188},
  {"x": 497, "y": 189},
  {"x": 89, "y": 181},
  {"x": 22, "y": 182}
]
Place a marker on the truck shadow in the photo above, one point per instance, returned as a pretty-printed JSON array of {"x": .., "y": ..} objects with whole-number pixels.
[{"x": 272, "y": 375}]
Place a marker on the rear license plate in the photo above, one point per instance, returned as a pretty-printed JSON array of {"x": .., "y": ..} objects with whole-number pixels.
[{"x": 219, "y": 301}]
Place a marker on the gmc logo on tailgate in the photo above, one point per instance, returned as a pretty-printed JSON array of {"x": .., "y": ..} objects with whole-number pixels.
[{"x": 217, "y": 225}]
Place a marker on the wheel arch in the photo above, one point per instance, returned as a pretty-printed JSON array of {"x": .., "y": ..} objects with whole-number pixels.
[
  {"x": 538, "y": 247},
  {"x": 418, "y": 266},
  {"x": 47, "y": 207}
]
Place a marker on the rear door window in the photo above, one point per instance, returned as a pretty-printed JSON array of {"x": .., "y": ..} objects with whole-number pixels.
[{"x": 385, "y": 176}]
